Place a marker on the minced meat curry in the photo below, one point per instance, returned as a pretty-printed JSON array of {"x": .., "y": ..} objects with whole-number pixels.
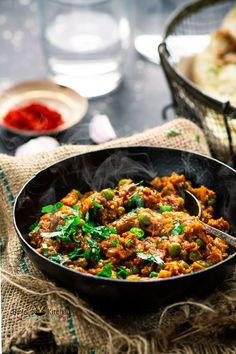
[{"x": 136, "y": 231}]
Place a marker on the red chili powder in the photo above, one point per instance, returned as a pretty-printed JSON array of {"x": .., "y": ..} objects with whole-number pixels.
[{"x": 34, "y": 116}]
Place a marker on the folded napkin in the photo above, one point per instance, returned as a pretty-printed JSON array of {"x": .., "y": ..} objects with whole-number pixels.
[{"x": 69, "y": 324}]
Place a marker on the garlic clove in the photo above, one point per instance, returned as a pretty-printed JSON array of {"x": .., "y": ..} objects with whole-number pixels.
[
  {"x": 100, "y": 129},
  {"x": 33, "y": 146}
]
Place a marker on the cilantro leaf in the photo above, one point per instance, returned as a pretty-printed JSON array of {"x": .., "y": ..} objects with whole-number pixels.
[
  {"x": 86, "y": 218},
  {"x": 94, "y": 252},
  {"x": 140, "y": 183},
  {"x": 91, "y": 242},
  {"x": 173, "y": 132},
  {"x": 178, "y": 228},
  {"x": 122, "y": 272},
  {"x": 115, "y": 242},
  {"x": 211, "y": 201},
  {"x": 151, "y": 258},
  {"x": 96, "y": 206},
  {"x": 153, "y": 274},
  {"x": 45, "y": 249},
  {"x": 128, "y": 243},
  {"x": 106, "y": 271},
  {"x": 51, "y": 208},
  {"x": 197, "y": 138},
  {"x": 35, "y": 227},
  {"x": 102, "y": 232},
  {"x": 58, "y": 258},
  {"x": 76, "y": 253},
  {"x": 87, "y": 228},
  {"x": 135, "y": 201}
]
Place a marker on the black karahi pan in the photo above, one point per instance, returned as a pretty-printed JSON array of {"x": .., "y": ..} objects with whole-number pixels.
[{"x": 103, "y": 168}]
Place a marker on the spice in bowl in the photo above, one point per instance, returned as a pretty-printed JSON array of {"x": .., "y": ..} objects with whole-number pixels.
[{"x": 34, "y": 116}]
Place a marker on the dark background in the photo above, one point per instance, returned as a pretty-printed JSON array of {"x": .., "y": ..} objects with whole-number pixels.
[{"x": 137, "y": 105}]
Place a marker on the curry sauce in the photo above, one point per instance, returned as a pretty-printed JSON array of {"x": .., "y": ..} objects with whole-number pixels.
[{"x": 135, "y": 231}]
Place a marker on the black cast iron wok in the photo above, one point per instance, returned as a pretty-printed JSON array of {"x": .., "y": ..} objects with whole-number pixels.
[{"x": 103, "y": 168}]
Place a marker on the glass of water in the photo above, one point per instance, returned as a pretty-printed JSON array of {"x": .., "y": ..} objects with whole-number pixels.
[{"x": 85, "y": 43}]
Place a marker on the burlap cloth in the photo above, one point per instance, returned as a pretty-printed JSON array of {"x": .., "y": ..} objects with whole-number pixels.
[{"x": 70, "y": 325}]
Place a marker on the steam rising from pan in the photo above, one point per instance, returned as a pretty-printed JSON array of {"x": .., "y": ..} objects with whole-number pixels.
[
  {"x": 104, "y": 168},
  {"x": 118, "y": 165}
]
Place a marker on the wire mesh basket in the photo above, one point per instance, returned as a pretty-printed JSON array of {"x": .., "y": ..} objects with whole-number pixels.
[{"x": 218, "y": 119}]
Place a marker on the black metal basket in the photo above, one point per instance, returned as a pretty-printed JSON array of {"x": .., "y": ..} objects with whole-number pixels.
[{"x": 216, "y": 118}]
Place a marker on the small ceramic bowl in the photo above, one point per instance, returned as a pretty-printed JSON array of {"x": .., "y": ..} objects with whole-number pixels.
[{"x": 64, "y": 100}]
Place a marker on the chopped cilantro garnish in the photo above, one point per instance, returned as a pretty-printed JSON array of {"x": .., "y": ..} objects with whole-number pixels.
[
  {"x": 66, "y": 232},
  {"x": 94, "y": 252},
  {"x": 115, "y": 242},
  {"x": 106, "y": 271},
  {"x": 91, "y": 242},
  {"x": 197, "y": 138},
  {"x": 140, "y": 183},
  {"x": 211, "y": 201},
  {"x": 135, "y": 201},
  {"x": 51, "y": 208},
  {"x": 132, "y": 212},
  {"x": 98, "y": 231},
  {"x": 113, "y": 230},
  {"x": 122, "y": 272},
  {"x": 139, "y": 233},
  {"x": 151, "y": 258},
  {"x": 35, "y": 227},
  {"x": 153, "y": 274},
  {"x": 128, "y": 243},
  {"x": 173, "y": 132},
  {"x": 45, "y": 249},
  {"x": 76, "y": 253},
  {"x": 164, "y": 208},
  {"x": 58, "y": 258},
  {"x": 96, "y": 206},
  {"x": 178, "y": 228},
  {"x": 69, "y": 229},
  {"x": 87, "y": 216}
]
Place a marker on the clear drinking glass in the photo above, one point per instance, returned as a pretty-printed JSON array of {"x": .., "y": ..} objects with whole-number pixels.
[{"x": 85, "y": 43}]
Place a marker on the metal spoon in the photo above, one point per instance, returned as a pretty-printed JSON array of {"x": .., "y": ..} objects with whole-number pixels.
[{"x": 193, "y": 206}]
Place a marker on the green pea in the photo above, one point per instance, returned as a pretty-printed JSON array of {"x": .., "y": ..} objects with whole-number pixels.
[
  {"x": 211, "y": 201},
  {"x": 200, "y": 243},
  {"x": 184, "y": 264},
  {"x": 121, "y": 210},
  {"x": 153, "y": 274},
  {"x": 203, "y": 263},
  {"x": 174, "y": 249},
  {"x": 124, "y": 181},
  {"x": 139, "y": 233},
  {"x": 194, "y": 255},
  {"x": 144, "y": 219},
  {"x": 108, "y": 193}
]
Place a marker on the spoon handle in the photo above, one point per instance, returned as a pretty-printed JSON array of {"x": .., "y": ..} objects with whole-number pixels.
[{"x": 221, "y": 234}]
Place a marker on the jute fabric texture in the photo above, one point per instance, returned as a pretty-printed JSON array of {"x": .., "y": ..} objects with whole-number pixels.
[{"x": 69, "y": 324}]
